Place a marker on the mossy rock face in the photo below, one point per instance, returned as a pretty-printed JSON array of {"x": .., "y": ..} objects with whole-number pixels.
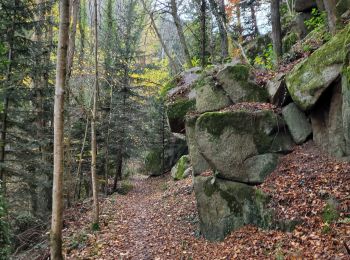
[
  {"x": 198, "y": 162},
  {"x": 225, "y": 206},
  {"x": 211, "y": 98},
  {"x": 176, "y": 112},
  {"x": 228, "y": 139},
  {"x": 235, "y": 81},
  {"x": 179, "y": 169},
  {"x": 309, "y": 79}
]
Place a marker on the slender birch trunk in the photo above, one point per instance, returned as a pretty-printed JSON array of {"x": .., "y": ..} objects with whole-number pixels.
[
  {"x": 95, "y": 222},
  {"x": 57, "y": 193}
]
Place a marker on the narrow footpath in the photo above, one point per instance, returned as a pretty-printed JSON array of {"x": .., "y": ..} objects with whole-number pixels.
[{"x": 158, "y": 219}]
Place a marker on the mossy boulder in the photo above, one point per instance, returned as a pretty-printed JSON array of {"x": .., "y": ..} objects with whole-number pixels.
[
  {"x": 309, "y": 79},
  {"x": 179, "y": 169},
  {"x": 199, "y": 164},
  {"x": 297, "y": 122},
  {"x": 210, "y": 97},
  {"x": 224, "y": 206},
  {"x": 236, "y": 81},
  {"x": 227, "y": 140},
  {"x": 176, "y": 111}
]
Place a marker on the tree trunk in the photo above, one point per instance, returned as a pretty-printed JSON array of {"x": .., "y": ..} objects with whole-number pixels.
[
  {"x": 239, "y": 23},
  {"x": 220, "y": 19},
  {"x": 276, "y": 29},
  {"x": 160, "y": 38},
  {"x": 79, "y": 172},
  {"x": 180, "y": 32},
  {"x": 107, "y": 142},
  {"x": 95, "y": 222},
  {"x": 330, "y": 6},
  {"x": 119, "y": 163},
  {"x": 57, "y": 193},
  {"x": 203, "y": 32},
  {"x": 254, "y": 21},
  {"x": 6, "y": 105},
  {"x": 75, "y": 4}
]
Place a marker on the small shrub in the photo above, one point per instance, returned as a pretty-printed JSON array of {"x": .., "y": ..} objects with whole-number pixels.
[
  {"x": 317, "y": 20},
  {"x": 330, "y": 213},
  {"x": 125, "y": 187},
  {"x": 267, "y": 59}
]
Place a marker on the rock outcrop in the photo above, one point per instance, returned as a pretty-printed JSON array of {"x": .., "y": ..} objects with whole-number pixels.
[
  {"x": 319, "y": 86},
  {"x": 235, "y": 139},
  {"x": 313, "y": 76},
  {"x": 231, "y": 141},
  {"x": 225, "y": 206}
]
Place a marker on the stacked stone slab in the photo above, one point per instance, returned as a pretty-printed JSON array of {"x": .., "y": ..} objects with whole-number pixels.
[{"x": 319, "y": 86}]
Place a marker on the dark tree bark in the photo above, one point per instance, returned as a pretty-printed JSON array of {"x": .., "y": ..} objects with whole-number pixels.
[
  {"x": 180, "y": 32},
  {"x": 276, "y": 28},
  {"x": 220, "y": 19},
  {"x": 203, "y": 32},
  {"x": 330, "y": 6},
  {"x": 160, "y": 38}
]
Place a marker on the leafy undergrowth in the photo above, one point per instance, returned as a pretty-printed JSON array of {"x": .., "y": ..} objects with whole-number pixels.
[{"x": 158, "y": 219}]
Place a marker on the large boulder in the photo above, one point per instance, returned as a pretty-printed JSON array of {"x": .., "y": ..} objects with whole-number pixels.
[
  {"x": 210, "y": 96},
  {"x": 179, "y": 169},
  {"x": 198, "y": 162},
  {"x": 297, "y": 122},
  {"x": 224, "y": 206},
  {"x": 309, "y": 79},
  {"x": 231, "y": 141},
  {"x": 236, "y": 82}
]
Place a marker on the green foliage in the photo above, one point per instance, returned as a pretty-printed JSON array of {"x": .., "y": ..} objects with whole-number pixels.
[
  {"x": 330, "y": 213},
  {"x": 318, "y": 19},
  {"x": 4, "y": 231},
  {"x": 95, "y": 227},
  {"x": 289, "y": 40},
  {"x": 179, "y": 108},
  {"x": 266, "y": 60}
]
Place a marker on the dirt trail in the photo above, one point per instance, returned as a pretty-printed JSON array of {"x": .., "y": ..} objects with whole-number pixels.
[{"x": 158, "y": 218}]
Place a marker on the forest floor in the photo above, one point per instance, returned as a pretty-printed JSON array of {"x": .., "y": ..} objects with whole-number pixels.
[{"x": 158, "y": 218}]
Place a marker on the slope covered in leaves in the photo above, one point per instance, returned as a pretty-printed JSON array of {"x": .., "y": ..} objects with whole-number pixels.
[{"x": 158, "y": 219}]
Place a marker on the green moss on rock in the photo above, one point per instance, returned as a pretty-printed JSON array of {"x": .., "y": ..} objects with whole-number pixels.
[
  {"x": 179, "y": 108},
  {"x": 309, "y": 79}
]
